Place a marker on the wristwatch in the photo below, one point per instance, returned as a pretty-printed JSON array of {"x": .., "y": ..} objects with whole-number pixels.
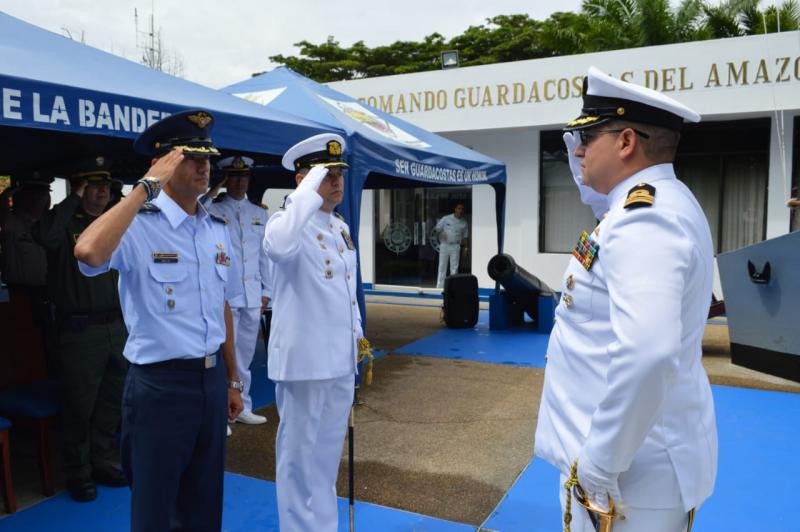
[
  {"x": 152, "y": 186},
  {"x": 236, "y": 385}
]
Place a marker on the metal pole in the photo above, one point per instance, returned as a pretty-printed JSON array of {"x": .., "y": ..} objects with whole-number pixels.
[{"x": 351, "y": 468}]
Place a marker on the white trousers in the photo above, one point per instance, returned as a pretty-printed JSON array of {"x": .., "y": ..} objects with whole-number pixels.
[
  {"x": 246, "y": 322},
  {"x": 448, "y": 253},
  {"x": 308, "y": 449},
  {"x": 636, "y": 519}
]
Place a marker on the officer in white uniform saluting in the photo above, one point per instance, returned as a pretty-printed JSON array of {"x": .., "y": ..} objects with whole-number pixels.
[
  {"x": 246, "y": 222},
  {"x": 315, "y": 327},
  {"x": 453, "y": 231},
  {"x": 625, "y": 392},
  {"x": 175, "y": 274}
]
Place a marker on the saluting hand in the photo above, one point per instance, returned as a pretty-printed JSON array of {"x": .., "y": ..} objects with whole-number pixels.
[{"x": 164, "y": 168}]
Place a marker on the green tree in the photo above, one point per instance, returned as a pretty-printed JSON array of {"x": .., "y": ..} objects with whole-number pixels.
[{"x": 600, "y": 25}]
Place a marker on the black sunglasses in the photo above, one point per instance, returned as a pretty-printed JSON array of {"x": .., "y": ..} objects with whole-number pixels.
[{"x": 587, "y": 135}]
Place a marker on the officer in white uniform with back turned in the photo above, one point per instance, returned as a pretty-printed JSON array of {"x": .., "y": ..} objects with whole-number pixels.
[
  {"x": 246, "y": 222},
  {"x": 625, "y": 393},
  {"x": 316, "y": 324}
]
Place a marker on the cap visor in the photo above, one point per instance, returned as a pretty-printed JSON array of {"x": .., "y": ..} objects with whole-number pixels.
[{"x": 585, "y": 122}]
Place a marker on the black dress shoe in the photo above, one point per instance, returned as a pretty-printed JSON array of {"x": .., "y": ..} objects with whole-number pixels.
[
  {"x": 81, "y": 489},
  {"x": 110, "y": 476}
]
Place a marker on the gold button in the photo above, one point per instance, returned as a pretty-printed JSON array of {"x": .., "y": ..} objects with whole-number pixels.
[
  {"x": 168, "y": 290},
  {"x": 570, "y": 282},
  {"x": 568, "y": 301},
  {"x": 322, "y": 246},
  {"x": 341, "y": 249},
  {"x": 327, "y": 261},
  {"x": 328, "y": 274},
  {"x": 319, "y": 236},
  {"x": 171, "y": 303}
]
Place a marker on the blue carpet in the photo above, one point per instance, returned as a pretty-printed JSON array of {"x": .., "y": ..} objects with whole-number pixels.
[
  {"x": 513, "y": 347},
  {"x": 249, "y": 505},
  {"x": 755, "y": 489}
]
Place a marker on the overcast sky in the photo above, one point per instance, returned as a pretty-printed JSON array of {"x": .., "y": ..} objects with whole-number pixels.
[{"x": 221, "y": 43}]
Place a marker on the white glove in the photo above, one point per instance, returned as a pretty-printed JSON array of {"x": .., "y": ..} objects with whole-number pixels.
[
  {"x": 313, "y": 178},
  {"x": 598, "y": 484},
  {"x": 598, "y": 202}
]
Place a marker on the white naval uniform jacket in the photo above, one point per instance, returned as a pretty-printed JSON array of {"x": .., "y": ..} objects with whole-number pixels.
[
  {"x": 246, "y": 223},
  {"x": 454, "y": 229},
  {"x": 624, "y": 377},
  {"x": 316, "y": 320}
]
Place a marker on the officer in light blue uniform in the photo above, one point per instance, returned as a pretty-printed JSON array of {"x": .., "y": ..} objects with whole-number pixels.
[{"x": 176, "y": 272}]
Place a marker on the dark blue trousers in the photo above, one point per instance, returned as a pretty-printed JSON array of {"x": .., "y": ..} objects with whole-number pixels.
[{"x": 173, "y": 446}]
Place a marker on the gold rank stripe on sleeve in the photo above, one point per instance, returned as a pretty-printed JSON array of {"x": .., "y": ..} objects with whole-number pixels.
[
  {"x": 586, "y": 250},
  {"x": 164, "y": 257},
  {"x": 642, "y": 195}
]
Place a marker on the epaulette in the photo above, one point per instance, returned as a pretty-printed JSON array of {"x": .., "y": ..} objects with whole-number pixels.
[
  {"x": 148, "y": 208},
  {"x": 264, "y": 206},
  {"x": 642, "y": 195},
  {"x": 217, "y": 218},
  {"x": 336, "y": 213}
]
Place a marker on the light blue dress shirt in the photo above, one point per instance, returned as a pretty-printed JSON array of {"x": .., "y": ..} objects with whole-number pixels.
[{"x": 176, "y": 272}]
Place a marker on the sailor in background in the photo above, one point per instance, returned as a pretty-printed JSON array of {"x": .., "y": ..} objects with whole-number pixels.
[
  {"x": 453, "y": 231},
  {"x": 246, "y": 222},
  {"x": 176, "y": 274},
  {"x": 626, "y": 411},
  {"x": 315, "y": 327}
]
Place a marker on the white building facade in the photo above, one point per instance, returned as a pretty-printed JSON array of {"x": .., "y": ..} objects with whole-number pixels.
[{"x": 741, "y": 160}]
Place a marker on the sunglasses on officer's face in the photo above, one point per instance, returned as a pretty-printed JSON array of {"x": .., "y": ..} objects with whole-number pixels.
[{"x": 587, "y": 135}]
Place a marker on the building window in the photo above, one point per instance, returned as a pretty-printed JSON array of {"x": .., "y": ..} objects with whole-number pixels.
[
  {"x": 724, "y": 164},
  {"x": 562, "y": 215},
  {"x": 407, "y": 247}
]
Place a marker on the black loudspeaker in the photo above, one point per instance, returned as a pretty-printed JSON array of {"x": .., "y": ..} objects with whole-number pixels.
[{"x": 460, "y": 301}]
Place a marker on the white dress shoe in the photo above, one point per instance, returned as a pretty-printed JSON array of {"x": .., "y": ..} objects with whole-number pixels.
[
  {"x": 250, "y": 418},
  {"x": 229, "y": 429}
]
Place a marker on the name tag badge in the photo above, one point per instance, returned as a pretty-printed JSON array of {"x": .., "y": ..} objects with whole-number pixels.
[
  {"x": 256, "y": 221},
  {"x": 165, "y": 258}
]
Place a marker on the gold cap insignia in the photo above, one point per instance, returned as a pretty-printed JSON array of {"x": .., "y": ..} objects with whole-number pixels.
[
  {"x": 238, "y": 163},
  {"x": 620, "y": 111},
  {"x": 334, "y": 148},
  {"x": 200, "y": 119},
  {"x": 100, "y": 161}
]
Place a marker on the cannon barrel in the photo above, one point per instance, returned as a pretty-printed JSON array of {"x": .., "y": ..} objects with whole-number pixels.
[{"x": 521, "y": 285}]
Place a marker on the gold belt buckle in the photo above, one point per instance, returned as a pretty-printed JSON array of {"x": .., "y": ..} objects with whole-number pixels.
[{"x": 211, "y": 361}]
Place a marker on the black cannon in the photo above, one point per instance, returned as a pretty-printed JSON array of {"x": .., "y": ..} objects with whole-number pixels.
[{"x": 522, "y": 287}]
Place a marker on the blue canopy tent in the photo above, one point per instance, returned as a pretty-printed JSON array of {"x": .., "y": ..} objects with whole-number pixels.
[
  {"x": 383, "y": 151},
  {"x": 61, "y": 100}
]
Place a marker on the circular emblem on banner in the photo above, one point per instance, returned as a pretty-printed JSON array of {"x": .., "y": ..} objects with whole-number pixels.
[
  {"x": 433, "y": 238},
  {"x": 397, "y": 238}
]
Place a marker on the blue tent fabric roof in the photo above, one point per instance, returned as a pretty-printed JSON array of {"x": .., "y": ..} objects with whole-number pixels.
[
  {"x": 50, "y": 82},
  {"x": 388, "y": 145}
]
